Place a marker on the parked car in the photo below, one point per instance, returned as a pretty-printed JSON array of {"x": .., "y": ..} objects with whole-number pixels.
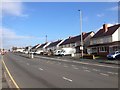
[
  {"x": 115, "y": 55},
  {"x": 39, "y": 52},
  {"x": 68, "y": 51},
  {"x": 57, "y": 52}
]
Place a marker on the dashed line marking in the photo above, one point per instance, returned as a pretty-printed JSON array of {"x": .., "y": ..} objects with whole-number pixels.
[
  {"x": 70, "y": 80},
  {"x": 87, "y": 70},
  {"x": 84, "y": 67},
  {"x": 40, "y": 69},
  {"x": 96, "y": 70},
  {"x": 65, "y": 66},
  {"x": 76, "y": 68},
  {"x": 104, "y": 74}
]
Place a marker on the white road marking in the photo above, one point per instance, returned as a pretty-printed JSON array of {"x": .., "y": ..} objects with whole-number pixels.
[
  {"x": 104, "y": 74},
  {"x": 84, "y": 67},
  {"x": 40, "y": 69},
  {"x": 67, "y": 79},
  {"x": 96, "y": 70},
  {"x": 28, "y": 64},
  {"x": 87, "y": 70},
  {"x": 76, "y": 68},
  {"x": 65, "y": 66},
  {"x": 73, "y": 65}
]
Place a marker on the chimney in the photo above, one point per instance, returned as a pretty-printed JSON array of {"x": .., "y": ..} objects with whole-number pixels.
[
  {"x": 105, "y": 27},
  {"x": 83, "y": 33}
]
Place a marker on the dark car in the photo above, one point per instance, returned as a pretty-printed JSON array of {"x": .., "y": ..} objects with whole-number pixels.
[{"x": 117, "y": 57}]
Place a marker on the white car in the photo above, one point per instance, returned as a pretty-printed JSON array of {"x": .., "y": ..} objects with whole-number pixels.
[{"x": 113, "y": 55}]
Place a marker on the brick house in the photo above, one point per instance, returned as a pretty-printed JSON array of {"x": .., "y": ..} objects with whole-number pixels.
[{"x": 106, "y": 40}]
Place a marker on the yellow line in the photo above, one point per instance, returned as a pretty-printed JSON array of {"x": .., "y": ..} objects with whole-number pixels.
[{"x": 10, "y": 75}]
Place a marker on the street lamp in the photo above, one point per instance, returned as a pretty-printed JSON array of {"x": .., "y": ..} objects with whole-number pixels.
[
  {"x": 81, "y": 47},
  {"x": 46, "y": 38}
]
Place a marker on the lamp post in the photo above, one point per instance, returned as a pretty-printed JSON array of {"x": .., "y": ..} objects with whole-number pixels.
[
  {"x": 46, "y": 38},
  {"x": 81, "y": 47}
]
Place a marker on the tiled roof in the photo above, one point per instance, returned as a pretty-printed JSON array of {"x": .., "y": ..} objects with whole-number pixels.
[
  {"x": 75, "y": 39},
  {"x": 110, "y": 31},
  {"x": 42, "y": 45},
  {"x": 34, "y": 47},
  {"x": 54, "y": 43}
]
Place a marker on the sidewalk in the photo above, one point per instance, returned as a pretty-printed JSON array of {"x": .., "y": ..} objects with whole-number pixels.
[
  {"x": 100, "y": 60},
  {"x": 105, "y": 61}
]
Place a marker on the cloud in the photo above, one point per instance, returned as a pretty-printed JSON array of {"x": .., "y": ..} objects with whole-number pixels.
[
  {"x": 115, "y": 8},
  {"x": 100, "y": 15},
  {"x": 9, "y": 34},
  {"x": 9, "y": 38},
  {"x": 9, "y": 7}
]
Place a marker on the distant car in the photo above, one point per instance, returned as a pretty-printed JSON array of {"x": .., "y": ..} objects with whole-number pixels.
[{"x": 115, "y": 55}]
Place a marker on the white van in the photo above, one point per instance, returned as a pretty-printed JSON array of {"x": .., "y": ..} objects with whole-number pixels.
[
  {"x": 68, "y": 51},
  {"x": 39, "y": 52},
  {"x": 57, "y": 52}
]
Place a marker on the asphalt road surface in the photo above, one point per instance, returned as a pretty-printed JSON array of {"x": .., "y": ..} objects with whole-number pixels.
[{"x": 47, "y": 73}]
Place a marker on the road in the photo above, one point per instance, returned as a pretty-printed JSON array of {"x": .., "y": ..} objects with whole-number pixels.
[{"x": 48, "y": 73}]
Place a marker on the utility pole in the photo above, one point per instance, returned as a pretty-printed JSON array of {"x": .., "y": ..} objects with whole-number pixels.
[
  {"x": 81, "y": 46},
  {"x": 46, "y": 38}
]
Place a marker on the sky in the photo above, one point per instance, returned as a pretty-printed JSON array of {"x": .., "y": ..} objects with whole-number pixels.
[{"x": 27, "y": 23}]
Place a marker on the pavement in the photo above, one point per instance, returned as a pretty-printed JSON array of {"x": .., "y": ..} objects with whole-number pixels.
[
  {"x": 97, "y": 60},
  {"x": 43, "y": 72},
  {"x": 100, "y": 60}
]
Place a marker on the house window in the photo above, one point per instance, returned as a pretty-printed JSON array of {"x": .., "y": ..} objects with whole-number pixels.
[{"x": 102, "y": 49}]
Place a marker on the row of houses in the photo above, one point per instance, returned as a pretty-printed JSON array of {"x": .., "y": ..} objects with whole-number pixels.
[{"x": 104, "y": 41}]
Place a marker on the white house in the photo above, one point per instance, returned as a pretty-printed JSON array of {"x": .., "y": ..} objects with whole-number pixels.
[{"x": 106, "y": 40}]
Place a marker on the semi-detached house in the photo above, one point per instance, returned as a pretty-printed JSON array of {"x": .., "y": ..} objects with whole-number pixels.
[
  {"x": 106, "y": 40},
  {"x": 75, "y": 42},
  {"x": 54, "y": 45}
]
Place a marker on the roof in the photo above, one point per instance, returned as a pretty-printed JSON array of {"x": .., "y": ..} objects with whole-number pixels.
[
  {"x": 42, "y": 45},
  {"x": 75, "y": 39},
  {"x": 34, "y": 47},
  {"x": 110, "y": 31},
  {"x": 54, "y": 43}
]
